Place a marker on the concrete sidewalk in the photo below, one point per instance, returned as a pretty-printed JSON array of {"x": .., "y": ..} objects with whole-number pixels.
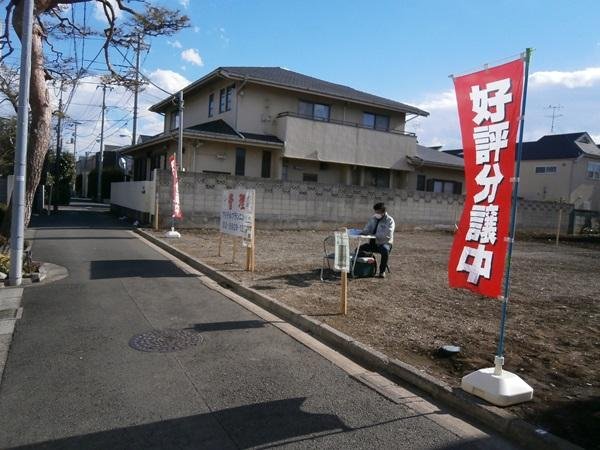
[{"x": 73, "y": 381}]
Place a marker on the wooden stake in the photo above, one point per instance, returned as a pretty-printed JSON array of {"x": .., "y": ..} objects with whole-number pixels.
[
  {"x": 558, "y": 226},
  {"x": 248, "y": 259},
  {"x": 220, "y": 243},
  {"x": 344, "y": 298}
]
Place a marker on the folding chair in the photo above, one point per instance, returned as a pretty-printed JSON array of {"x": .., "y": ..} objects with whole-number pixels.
[{"x": 328, "y": 253}]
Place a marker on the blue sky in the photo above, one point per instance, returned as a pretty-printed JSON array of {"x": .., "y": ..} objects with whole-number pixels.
[{"x": 397, "y": 49}]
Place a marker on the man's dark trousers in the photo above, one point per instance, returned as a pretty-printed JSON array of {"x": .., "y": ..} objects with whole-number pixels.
[{"x": 383, "y": 249}]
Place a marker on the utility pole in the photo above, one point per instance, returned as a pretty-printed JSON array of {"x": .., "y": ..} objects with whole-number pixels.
[
  {"x": 58, "y": 148},
  {"x": 101, "y": 154},
  {"x": 179, "y": 158},
  {"x": 555, "y": 109},
  {"x": 136, "y": 90},
  {"x": 17, "y": 226}
]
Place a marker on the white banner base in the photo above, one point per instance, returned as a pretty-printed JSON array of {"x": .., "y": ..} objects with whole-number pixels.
[
  {"x": 172, "y": 233},
  {"x": 500, "y": 388}
]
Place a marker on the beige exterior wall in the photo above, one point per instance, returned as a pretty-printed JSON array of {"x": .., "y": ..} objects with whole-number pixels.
[
  {"x": 329, "y": 142},
  {"x": 436, "y": 173},
  {"x": 196, "y": 106},
  {"x": 585, "y": 192},
  {"x": 294, "y": 170},
  {"x": 258, "y": 107},
  {"x": 220, "y": 157}
]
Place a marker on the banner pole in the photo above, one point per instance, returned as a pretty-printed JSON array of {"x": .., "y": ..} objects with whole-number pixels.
[{"x": 513, "y": 222}]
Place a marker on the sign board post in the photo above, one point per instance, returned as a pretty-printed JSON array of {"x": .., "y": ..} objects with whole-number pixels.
[
  {"x": 341, "y": 263},
  {"x": 238, "y": 220}
]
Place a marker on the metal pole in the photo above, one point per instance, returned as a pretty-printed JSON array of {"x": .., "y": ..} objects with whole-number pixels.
[
  {"x": 179, "y": 159},
  {"x": 513, "y": 217},
  {"x": 136, "y": 90},
  {"x": 101, "y": 155},
  {"x": 17, "y": 226}
]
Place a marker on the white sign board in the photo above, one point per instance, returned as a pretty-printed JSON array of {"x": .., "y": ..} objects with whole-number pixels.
[
  {"x": 237, "y": 214},
  {"x": 342, "y": 252}
]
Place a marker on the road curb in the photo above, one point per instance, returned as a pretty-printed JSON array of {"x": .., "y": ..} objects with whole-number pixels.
[
  {"x": 498, "y": 419},
  {"x": 10, "y": 307}
]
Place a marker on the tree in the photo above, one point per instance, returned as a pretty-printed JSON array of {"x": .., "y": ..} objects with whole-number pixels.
[
  {"x": 64, "y": 178},
  {"x": 8, "y": 134},
  {"x": 51, "y": 25}
]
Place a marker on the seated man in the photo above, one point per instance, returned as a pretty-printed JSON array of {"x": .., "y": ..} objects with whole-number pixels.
[{"x": 382, "y": 226}]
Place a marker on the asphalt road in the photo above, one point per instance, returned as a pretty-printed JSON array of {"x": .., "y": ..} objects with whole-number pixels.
[{"x": 73, "y": 381}]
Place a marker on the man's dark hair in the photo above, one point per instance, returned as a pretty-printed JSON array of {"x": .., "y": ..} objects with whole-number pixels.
[{"x": 379, "y": 207}]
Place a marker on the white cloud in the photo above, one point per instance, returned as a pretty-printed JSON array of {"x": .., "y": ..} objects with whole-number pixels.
[
  {"x": 196, "y": 29},
  {"x": 175, "y": 43},
  {"x": 574, "y": 79},
  {"x": 168, "y": 80},
  {"x": 99, "y": 10},
  {"x": 444, "y": 100},
  {"x": 192, "y": 56},
  {"x": 184, "y": 3},
  {"x": 223, "y": 35}
]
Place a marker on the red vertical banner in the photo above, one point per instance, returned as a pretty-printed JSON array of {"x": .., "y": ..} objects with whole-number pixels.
[
  {"x": 489, "y": 108},
  {"x": 177, "y": 214}
]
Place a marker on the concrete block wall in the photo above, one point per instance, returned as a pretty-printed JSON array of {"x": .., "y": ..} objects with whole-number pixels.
[{"x": 292, "y": 205}]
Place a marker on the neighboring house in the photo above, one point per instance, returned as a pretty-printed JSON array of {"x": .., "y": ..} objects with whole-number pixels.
[
  {"x": 88, "y": 163},
  {"x": 436, "y": 171},
  {"x": 274, "y": 123},
  {"x": 560, "y": 167}
]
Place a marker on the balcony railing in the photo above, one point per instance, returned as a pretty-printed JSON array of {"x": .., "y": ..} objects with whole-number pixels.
[{"x": 343, "y": 122}]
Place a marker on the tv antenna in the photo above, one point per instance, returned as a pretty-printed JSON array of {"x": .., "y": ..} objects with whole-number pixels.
[{"x": 555, "y": 115}]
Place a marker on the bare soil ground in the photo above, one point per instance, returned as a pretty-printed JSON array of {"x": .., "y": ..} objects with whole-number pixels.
[{"x": 553, "y": 328}]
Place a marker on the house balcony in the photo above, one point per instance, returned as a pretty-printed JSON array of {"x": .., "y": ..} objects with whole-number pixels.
[{"x": 344, "y": 142}]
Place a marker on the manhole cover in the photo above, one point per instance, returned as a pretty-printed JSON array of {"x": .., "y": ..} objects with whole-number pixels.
[{"x": 164, "y": 340}]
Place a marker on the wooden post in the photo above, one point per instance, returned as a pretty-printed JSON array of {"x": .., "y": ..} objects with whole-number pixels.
[
  {"x": 248, "y": 258},
  {"x": 558, "y": 226},
  {"x": 344, "y": 298},
  {"x": 234, "y": 250},
  {"x": 220, "y": 243}
]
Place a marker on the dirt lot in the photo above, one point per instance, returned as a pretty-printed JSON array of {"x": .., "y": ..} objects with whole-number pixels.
[{"x": 553, "y": 330}]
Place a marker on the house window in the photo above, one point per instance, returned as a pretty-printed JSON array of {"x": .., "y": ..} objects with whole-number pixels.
[
  {"x": 545, "y": 169},
  {"x": 222, "y": 99},
  {"x": 240, "y": 161},
  {"x": 378, "y": 177},
  {"x": 174, "y": 120},
  {"x": 593, "y": 170},
  {"x": 229, "y": 97},
  {"x": 310, "y": 177},
  {"x": 211, "y": 105},
  {"x": 443, "y": 186},
  {"x": 376, "y": 121},
  {"x": 265, "y": 170},
  {"x": 420, "y": 182},
  {"x": 315, "y": 111}
]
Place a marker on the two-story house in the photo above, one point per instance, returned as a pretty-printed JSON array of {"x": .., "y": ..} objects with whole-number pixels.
[
  {"x": 275, "y": 123},
  {"x": 560, "y": 168}
]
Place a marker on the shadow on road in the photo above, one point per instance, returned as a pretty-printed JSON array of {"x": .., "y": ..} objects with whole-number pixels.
[
  {"x": 247, "y": 426},
  {"x": 129, "y": 268},
  {"x": 228, "y": 326}
]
